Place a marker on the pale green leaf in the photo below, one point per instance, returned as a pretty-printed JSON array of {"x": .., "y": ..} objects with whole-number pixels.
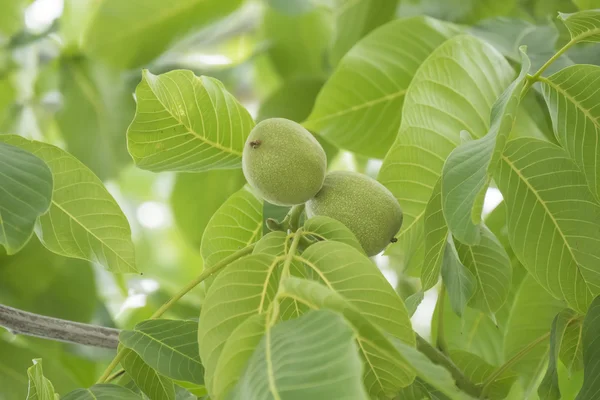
[
  {"x": 168, "y": 346},
  {"x": 186, "y": 123},
  {"x": 237, "y": 351},
  {"x": 40, "y": 388},
  {"x": 325, "y": 228},
  {"x": 84, "y": 220},
  {"x": 245, "y": 288},
  {"x": 587, "y": 4},
  {"x": 413, "y": 301},
  {"x": 460, "y": 281},
  {"x": 591, "y": 353},
  {"x": 129, "y": 34},
  {"x": 298, "y": 44},
  {"x": 436, "y": 233},
  {"x": 154, "y": 385},
  {"x": 477, "y": 371},
  {"x": 572, "y": 99},
  {"x": 553, "y": 219},
  {"x": 529, "y": 326},
  {"x": 273, "y": 243},
  {"x": 313, "y": 357},
  {"x": 468, "y": 169},
  {"x": 196, "y": 197},
  {"x": 379, "y": 354},
  {"x": 584, "y": 26},
  {"x": 473, "y": 332},
  {"x": 549, "y": 388},
  {"x": 235, "y": 225},
  {"x": 359, "y": 108},
  {"x": 103, "y": 391},
  {"x": 452, "y": 91},
  {"x": 354, "y": 20},
  {"x": 25, "y": 194},
  {"x": 571, "y": 352},
  {"x": 491, "y": 267}
]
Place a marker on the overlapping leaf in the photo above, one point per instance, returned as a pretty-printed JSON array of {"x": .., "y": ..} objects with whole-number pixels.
[
  {"x": 168, "y": 346},
  {"x": 528, "y": 327},
  {"x": 453, "y": 91},
  {"x": 186, "y": 123},
  {"x": 491, "y": 268},
  {"x": 460, "y": 281},
  {"x": 40, "y": 387},
  {"x": 591, "y": 353},
  {"x": 553, "y": 219},
  {"x": 25, "y": 194},
  {"x": 84, "y": 220},
  {"x": 572, "y": 95},
  {"x": 102, "y": 391},
  {"x": 584, "y": 26},
  {"x": 154, "y": 385},
  {"x": 477, "y": 371},
  {"x": 325, "y": 228},
  {"x": 236, "y": 224},
  {"x": 549, "y": 388},
  {"x": 359, "y": 108},
  {"x": 314, "y": 356},
  {"x": 436, "y": 233},
  {"x": 134, "y": 33},
  {"x": 273, "y": 243},
  {"x": 469, "y": 168}
]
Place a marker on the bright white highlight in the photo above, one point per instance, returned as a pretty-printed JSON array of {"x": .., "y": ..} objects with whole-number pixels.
[
  {"x": 41, "y": 14},
  {"x": 493, "y": 197},
  {"x": 153, "y": 215}
]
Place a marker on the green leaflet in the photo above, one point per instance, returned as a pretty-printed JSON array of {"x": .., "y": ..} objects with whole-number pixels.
[
  {"x": 168, "y": 346},
  {"x": 84, "y": 220},
  {"x": 460, "y": 281},
  {"x": 452, "y": 91},
  {"x": 477, "y": 370},
  {"x": 40, "y": 388},
  {"x": 469, "y": 168},
  {"x": 553, "y": 220},
  {"x": 359, "y": 107},
  {"x": 491, "y": 267},
  {"x": 591, "y": 352},
  {"x": 25, "y": 194},
  {"x": 549, "y": 388},
  {"x": 186, "y": 123},
  {"x": 528, "y": 326},
  {"x": 572, "y": 101},
  {"x": 325, "y": 228},
  {"x": 236, "y": 224},
  {"x": 584, "y": 26},
  {"x": 132, "y": 34},
  {"x": 102, "y": 391},
  {"x": 436, "y": 233},
  {"x": 154, "y": 385},
  {"x": 314, "y": 356}
]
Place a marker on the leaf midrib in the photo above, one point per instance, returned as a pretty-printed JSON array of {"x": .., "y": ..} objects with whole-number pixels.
[
  {"x": 189, "y": 128},
  {"x": 554, "y": 221}
]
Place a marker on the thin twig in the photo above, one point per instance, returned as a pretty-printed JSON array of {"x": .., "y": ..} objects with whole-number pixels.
[{"x": 30, "y": 324}]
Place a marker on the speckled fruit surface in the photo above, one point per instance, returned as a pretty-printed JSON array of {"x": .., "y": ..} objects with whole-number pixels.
[{"x": 361, "y": 203}]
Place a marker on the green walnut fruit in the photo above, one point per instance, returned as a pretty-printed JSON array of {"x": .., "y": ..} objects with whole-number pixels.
[
  {"x": 361, "y": 203},
  {"x": 283, "y": 162}
]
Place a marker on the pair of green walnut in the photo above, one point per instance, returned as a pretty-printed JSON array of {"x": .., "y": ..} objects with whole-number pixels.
[{"x": 286, "y": 165}]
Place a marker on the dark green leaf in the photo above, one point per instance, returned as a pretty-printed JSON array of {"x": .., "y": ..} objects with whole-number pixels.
[
  {"x": 591, "y": 353},
  {"x": 168, "y": 346},
  {"x": 25, "y": 194},
  {"x": 460, "y": 282}
]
